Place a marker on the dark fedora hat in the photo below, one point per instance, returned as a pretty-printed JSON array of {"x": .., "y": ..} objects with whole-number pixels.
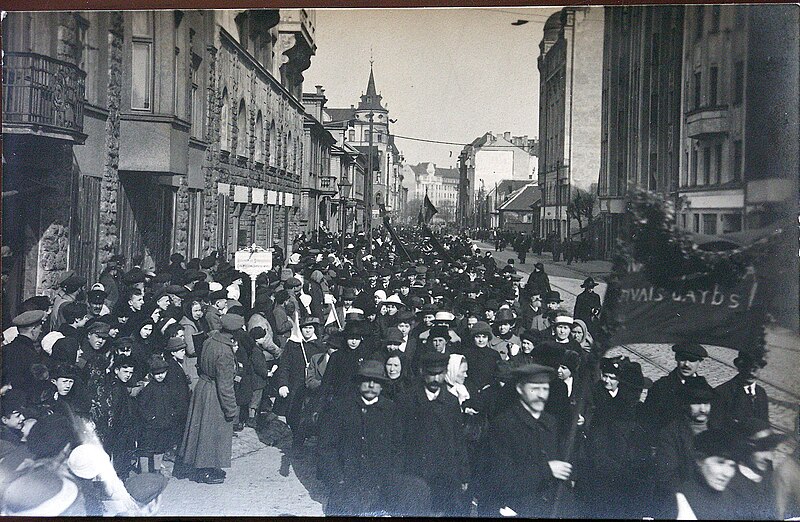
[{"x": 588, "y": 283}]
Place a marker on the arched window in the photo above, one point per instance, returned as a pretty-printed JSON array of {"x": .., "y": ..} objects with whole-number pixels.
[
  {"x": 225, "y": 123},
  {"x": 259, "y": 132},
  {"x": 272, "y": 145},
  {"x": 241, "y": 130}
]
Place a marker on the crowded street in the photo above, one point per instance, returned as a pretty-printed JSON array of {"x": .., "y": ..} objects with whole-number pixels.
[{"x": 531, "y": 262}]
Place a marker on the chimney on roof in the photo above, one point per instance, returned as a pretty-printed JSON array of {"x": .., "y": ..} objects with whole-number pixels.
[
  {"x": 507, "y": 136},
  {"x": 320, "y": 90}
]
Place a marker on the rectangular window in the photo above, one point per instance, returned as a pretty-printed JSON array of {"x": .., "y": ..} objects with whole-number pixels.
[
  {"x": 713, "y": 83},
  {"x": 738, "y": 82},
  {"x": 351, "y": 135},
  {"x": 731, "y": 223},
  {"x": 683, "y": 221},
  {"x": 177, "y": 84},
  {"x": 142, "y": 60},
  {"x": 717, "y": 171},
  {"x": 141, "y": 76},
  {"x": 710, "y": 224},
  {"x": 195, "y": 223},
  {"x": 196, "y": 99},
  {"x": 698, "y": 86},
  {"x": 222, "y": 221},
  {"x": 737, "y": 160},
  {"x": 715, "y": 18},
  {"x": 696, "y": 223},
  {"x": 706, "y": 165},
  {"x": 701, "y": 13},
  {"x": 685, "y": 171},
  {"x": 693, "y": 171}
]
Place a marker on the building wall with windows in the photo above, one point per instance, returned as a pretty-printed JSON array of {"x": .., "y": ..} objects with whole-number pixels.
[
  {"x": 570, "y": 71},
  {"x": 739, "y": 134},
  {"x": 641, "y": 110},
  {"x": 174, "y": 135}
]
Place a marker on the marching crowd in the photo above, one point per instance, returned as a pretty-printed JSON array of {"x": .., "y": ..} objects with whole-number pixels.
[{"x": 433, "y": 381}]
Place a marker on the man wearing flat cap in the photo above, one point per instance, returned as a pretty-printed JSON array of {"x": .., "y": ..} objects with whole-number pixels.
[
  {"x": 432, "y": 439},
  {"x": 666, "y": 395},
  {"x": 21, "y": 354},
  {"x": 525, "y": 457},
  {"x": 207, "y": 439}
]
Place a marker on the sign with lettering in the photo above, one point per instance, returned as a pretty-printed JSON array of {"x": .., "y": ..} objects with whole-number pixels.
[
  {"x": 638, "y": 311},
  {"x": 253, "y": 263}
]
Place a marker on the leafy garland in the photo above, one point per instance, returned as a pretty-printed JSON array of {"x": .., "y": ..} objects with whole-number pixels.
[{"x": 668, "y": 256}]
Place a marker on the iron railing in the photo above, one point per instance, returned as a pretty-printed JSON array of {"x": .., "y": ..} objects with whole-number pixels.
[{"x": 42, "y": 91}]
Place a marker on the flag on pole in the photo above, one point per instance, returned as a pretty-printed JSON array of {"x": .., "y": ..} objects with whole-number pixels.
[{"x": 426, "y": 211}]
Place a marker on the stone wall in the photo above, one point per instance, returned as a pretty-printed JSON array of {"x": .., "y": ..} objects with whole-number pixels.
[{"x": 108, "y": 241}]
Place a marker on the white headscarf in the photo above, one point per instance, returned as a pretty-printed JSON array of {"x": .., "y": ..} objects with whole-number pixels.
[{"x": 457, "y": 389}]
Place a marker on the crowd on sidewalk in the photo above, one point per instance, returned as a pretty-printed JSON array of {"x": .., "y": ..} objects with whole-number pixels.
[{"x": 434, "y": 382}]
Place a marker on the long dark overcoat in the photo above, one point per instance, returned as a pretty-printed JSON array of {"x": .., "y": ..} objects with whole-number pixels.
[
  {"x": 520, "y": 448},
  {"x": 208, "y": 436},
  {"x": 433, "y": 443},
  {"x": 359, "y": 451}
]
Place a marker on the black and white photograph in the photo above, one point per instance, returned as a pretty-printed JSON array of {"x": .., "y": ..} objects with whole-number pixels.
[{"x": 513, "y": 261}]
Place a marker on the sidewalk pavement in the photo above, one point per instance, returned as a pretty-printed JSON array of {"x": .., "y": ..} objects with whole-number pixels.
[{"x": 597, "y": 269}]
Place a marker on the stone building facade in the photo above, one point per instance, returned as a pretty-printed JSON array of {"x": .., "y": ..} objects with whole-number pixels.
[
  {"x": 170, "y": 131},
  {"x": 570, "y": 70}
]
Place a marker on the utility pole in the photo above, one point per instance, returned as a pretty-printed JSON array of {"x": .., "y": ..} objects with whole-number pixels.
[{"x": 370, "y": 178}]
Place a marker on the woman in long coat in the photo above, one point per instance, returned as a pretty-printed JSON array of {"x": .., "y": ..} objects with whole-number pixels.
[{"x": 208, "y": 437}]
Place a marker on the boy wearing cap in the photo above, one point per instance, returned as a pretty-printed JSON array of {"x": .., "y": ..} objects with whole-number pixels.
[
  {"x": 158, "y": 408},
  {"x": 754, "y": 484},
  {"x": 665, "y": 397},
  {"x": 124, "y": 424},
  {"x": 524, "y": 452}
]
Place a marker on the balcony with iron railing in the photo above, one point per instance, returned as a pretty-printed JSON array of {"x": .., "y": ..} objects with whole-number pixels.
[
  {"x": 43, "y": 96},
  {"x": 327, "y": 184}
]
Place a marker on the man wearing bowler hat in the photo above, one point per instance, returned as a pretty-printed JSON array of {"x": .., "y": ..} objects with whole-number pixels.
[
  {"x": 741, "y": 397},
  {"x": 525, "y": 457},
  {"x": 358, "y": 448},
  {"x": 432, "y": 439},
  {"x": 587, "y": 303},
  {"x": 665, "y": 397}
]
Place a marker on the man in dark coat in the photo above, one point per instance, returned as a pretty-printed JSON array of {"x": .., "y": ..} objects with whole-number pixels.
[
  {"x": 20, "y": 354},
  {"x": 587, "y": 303},
  {"x": 674, "y": 458},
  {"x": 741, "y": 397},
  {"x": 208, "y": 438},
  {"x": 538, "y": 283},
  {"x": 359, "y": 447},
  {"x": 433, "y": 443},
  {"x": 524, "y": 452},
  {"x": 666, "y": 395}
]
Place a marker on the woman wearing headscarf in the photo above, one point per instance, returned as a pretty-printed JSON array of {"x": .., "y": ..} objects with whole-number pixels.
[
  {"x": 398, "y": 372},
  {"x": 195, "y": 330},
  {"x": 455, "y": 376}
]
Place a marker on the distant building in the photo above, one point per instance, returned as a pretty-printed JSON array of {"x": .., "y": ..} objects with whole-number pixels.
[
  {"x": 520, "y": 212},
  {"x": 441, "y": 187},
  {"x": 489, "y": 160},
  {"x": 359, "y": 137},
  {"x": 318, "y": 184},
  {"x": 570, "y": 70},
  {"x": 488, "y": 202}
]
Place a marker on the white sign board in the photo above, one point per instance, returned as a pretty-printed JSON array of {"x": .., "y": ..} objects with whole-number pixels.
[{"x": 253, "y": 263}]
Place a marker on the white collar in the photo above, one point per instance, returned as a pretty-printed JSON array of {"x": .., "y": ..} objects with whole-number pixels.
[
  {"x": 614, "y": 393},
  {"x": 432, "y": 396},
  {"x": 370, "y": 402},
  {"x": 749, "y": 473}
]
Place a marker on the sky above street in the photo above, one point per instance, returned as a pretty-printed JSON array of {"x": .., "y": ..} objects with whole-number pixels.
[{"x": 445, "y": 74}]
